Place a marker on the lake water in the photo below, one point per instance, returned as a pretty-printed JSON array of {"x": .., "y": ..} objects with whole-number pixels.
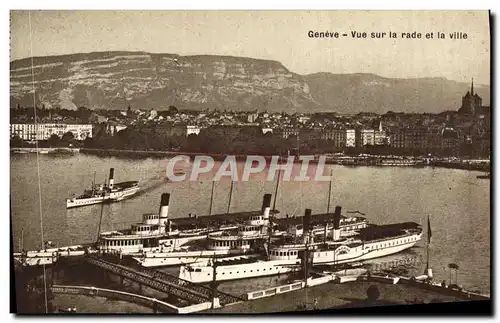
[{"x": 457, "y": 202}]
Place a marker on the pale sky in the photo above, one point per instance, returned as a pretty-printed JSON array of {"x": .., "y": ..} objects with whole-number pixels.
[{"x": 275, "y": 35}]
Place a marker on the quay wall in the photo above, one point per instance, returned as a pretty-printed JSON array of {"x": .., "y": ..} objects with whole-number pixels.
[{"x": 373, "y": 161}]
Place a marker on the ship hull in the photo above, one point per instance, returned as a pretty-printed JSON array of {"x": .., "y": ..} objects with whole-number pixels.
[
  {"x": 367, "y": 252},
  {"x": 113, "y": 197},
  {"x": 371, "y": 250},
  {"x": 153, "y": 259},
  {"x": 235, "y": 272}
]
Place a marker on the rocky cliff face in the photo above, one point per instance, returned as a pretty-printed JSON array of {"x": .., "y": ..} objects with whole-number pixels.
[{"x": 114, "y": 80}]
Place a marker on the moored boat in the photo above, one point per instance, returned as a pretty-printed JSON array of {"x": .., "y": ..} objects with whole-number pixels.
[
  {"x": 248, "y": 238},
  {"x": 484, "y": 176},
  {"x": 371, "y": 242}
]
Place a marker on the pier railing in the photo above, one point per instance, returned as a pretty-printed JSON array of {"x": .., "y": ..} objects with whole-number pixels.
[
  {"x": 275, "y": 290},
  {"x": 155, "y": 304}
]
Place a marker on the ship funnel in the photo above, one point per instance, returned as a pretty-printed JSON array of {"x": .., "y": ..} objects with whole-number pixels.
[
  {"x": 266, "y": 206},
  {"x": 336, "y": 223},
  {"x": 163, "y": 219},
  {"x": 111, "y": 177}
]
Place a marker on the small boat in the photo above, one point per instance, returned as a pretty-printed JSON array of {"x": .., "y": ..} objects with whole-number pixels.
[
  {"x": 67, "y": 310},
  {"x": 484, "y": 176},
  {"x": 104, "y": 193}
]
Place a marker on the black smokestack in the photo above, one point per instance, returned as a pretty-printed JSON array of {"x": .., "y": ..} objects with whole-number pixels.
[
  {"x": 266, "y": 202},
  {"x": 111, "y": 177},
  {"x": 336, "y": 217},
  {"x": 306, "y": 221},
  {"x": 163, "y": 214},
  {"x": 165, "y": 199}
]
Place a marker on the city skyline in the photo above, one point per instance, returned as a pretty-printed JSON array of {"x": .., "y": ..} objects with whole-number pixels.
[{"x": 256, "y": 34}]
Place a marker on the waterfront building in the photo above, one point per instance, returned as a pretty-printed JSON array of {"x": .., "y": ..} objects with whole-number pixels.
[
  {"x": 380, "y": 136},
  {"x": 287, "y": 132},
  {"x": 303, "y": 119},
  {"x": 365, "y": 137},
  {"x": 43, "y": 131},
  {"x": 336, "y": 135},
  {"x": 350, "y": 136},
  {"x": 252, "y": 117},
  {"x": 266, "y": 130},
  {"x": 192, "y": 130},
  {"x": 410, "y": 139},
  {"x": 451, "y": 138}
]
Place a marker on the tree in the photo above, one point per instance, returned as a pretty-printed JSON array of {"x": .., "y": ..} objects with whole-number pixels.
[
  {"x": 54, "y": 140},
  {"x": 68, "y": 137},
  {"x": 172, "y": 110},
  {"x": 16, "y": 141}
]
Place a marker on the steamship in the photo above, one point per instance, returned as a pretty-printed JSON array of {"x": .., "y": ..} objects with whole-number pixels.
[
  {"x": 104, "y": 193},
  {"x": 287, "y": 255},
  {"x": 156, "y": 233},
  {"x": 246, "y": 239}
]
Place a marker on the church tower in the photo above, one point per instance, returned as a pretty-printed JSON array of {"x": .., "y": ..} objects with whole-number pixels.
[{"x": 471, "y": 102}]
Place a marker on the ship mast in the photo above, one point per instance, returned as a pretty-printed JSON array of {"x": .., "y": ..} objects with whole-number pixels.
[
  {"x": 270, "y": 223},
  {"x": 429, "y": 235},
  {"x": 214, "y": 282},
  {"x": 328, "y": 205},
  {"x": 100, "y": 217},
  {"x": 276, "y": 190},
  {"x": 211, "y": 198},
  {"x": 230, "y": 195}
]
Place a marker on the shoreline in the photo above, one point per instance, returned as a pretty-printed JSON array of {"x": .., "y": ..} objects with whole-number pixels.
[{"x": 482, "y": 165}]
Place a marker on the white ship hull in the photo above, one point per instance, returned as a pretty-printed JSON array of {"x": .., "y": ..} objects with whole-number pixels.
[
  {"x": 49, "y": 256},
  {"x": 200, "y": 273},
  {"x": 118, "y": 196},
  {"x": 70, "y": 203},
  {"x": 369, "y": 251},
  {"x": 153, "y": 259},
  {"x": 203, "y": 274},
  {"x": 130, "y": 248},
  {"x": 112, "y": 197}
]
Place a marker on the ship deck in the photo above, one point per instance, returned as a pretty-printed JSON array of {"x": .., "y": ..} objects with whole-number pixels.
[
  {"x": 316, "y": 219},
  {"x": 376, "y": 232},
  {"x": 238, "y": 261},
  {"x": 125, "y": 185},
  {"x": 210, "y": 220}
]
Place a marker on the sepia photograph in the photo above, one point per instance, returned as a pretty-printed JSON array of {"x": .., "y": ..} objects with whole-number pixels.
[{"x": 250, "y": 162}]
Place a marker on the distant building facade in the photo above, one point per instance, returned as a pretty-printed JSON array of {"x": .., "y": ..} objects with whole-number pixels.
[
  {"x": 380, "y": 136},
  {"x": 350, "y": 138},
  {"x": 366, "y": 137},
  {"x": 192, "y": 130},
  {"x": 43, "y": 131},
  {"x": 336, "y": 135}
]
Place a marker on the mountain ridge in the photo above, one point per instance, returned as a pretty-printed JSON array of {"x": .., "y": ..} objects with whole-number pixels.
[{"x": 115, "y": 79}]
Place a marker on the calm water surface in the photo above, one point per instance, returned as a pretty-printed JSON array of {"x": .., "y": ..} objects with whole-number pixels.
[{"x": 457, "y": 202}]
